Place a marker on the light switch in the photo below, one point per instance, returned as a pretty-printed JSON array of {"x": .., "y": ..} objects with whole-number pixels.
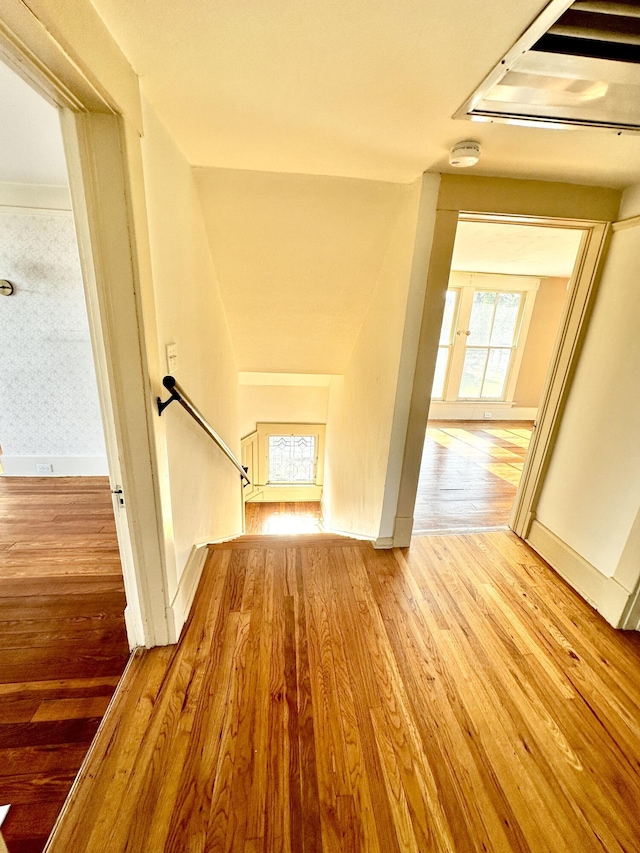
[{"x": 172, "y": 358}]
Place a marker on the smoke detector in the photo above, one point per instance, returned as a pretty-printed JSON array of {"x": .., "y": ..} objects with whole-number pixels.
[{"x": 464, "y": 154}]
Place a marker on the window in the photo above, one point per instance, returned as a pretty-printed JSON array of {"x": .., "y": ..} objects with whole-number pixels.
[
  {"x": 490, "y": 342},
  {"x": 285, "y": 461},
  {"x": 292, "y": 458},
  {"x": 483, "y": 332}
]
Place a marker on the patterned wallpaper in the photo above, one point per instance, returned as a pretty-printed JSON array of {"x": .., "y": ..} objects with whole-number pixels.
[{"x": 48, "y": 393}]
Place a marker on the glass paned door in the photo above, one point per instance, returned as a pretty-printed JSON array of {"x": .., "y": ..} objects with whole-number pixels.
[
  {"x": 490, "y": 341},
  {"x": 482, "y": 330},
  {"x": 445, "y": 344}
]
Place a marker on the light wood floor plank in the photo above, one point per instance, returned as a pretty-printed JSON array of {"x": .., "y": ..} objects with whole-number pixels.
[{"x": 454, "y": 697}]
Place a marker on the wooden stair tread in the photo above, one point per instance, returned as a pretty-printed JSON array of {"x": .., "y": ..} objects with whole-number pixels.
[{"x": 269, "y": 540}]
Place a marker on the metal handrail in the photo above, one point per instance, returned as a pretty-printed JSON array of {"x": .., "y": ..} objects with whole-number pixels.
[{"x": 178, "y": 394}]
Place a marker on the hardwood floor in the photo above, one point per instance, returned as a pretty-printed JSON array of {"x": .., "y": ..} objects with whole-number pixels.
[
  {"x": 63, "y": 645},
  {"x": 329, "y": 698},
  {"x": 469, "y": 474},
  {"x": 283, "y": 518}
]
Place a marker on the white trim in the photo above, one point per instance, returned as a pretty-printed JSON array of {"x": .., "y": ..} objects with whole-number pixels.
[
  {"x": 104, "y": 175},
  {"x": 580, "y": 298},
  {"x": 623, "y": 224},
  {"x": 63, "y": 466},
  {"x": 508, "y": 282},
  {"x": 36, "y": 196},
  {"x": 9, "y": 210},
  {"x": 631, "y": 617},
  {"x": 466, "y": 411},
  {"x": 249, "y": 456},
  {"x": 348, "y": 534},
  {"x": 604, "y": 593},
  {"x": 178, "y": 611},
  {"x": 402, "y": 531}
]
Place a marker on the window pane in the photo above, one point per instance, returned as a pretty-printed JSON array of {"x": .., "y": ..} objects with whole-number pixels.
[
  {"x": 496, "y": 374},
  {"x": 448, "y": 317},
  {"x": 437, "y": 391},
  {"x": 471, "y": 382},
  {"x": 481, "y": 318},
  {"x": 292, "y": 458},
  {"x": 506, "y": 319}
]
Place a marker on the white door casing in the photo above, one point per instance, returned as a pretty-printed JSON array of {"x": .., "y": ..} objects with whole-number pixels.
[{"x": 69, "y": 57}]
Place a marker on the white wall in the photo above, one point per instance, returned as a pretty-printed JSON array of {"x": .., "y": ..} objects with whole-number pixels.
[
  {"x": 543, "y": 330},
  {"x": 369, "y": 405},
  {"x": 591, "y": 497},
  {"x": 205, "y": 488},
  {"x": 297, "y": 257},
  {"x": 50, "y": 412},
  {"x": 282, "y": 404}
]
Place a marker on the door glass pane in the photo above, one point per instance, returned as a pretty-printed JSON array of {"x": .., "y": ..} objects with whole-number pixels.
[
  {"x": 437, "y": 391},
  {"x": 506, "y": 319},
  {"x": 496, "y": 375},
  {"x": 448, "y": 317},
  {"x": 472, "y": 372},
  {"x": 292, "y": 458},
  {"x": 481, "y": 318}
]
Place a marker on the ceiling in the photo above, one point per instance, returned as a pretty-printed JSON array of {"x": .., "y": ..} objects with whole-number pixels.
[
  {"x": 297, "y": 258},
  {"x": 31, "y": 149},
  {"x": 496, "y": 247},
  {"x": 360, "y": 89}
]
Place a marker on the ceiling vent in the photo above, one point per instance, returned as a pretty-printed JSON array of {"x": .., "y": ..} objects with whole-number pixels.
[{"x": 578, "y": 65}]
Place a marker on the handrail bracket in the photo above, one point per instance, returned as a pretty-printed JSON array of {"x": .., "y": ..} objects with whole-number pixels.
[{"x": 170, "y": 384}]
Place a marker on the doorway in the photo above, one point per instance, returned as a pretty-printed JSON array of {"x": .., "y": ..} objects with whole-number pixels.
[
  {"x": 63, "y": 637},
  {"x": 506, "y": 297}
]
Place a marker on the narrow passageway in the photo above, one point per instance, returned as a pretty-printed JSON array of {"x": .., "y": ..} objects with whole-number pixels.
[
  {"x": 63, "y": 643},
  {"x": 331, "y": 698},
  {"x": 469, "y": 474}
]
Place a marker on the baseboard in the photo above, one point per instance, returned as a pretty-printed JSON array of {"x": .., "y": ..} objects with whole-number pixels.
[
  {"x": 603, "y": 593},
  {"x": 130, "y": 626},
  {"x": 402, "y": 531},
  {"x": 383, "y": 543},
  {"x": 178, "y": 612},
  {"x": 349, "y": 534},
  {"x": 442, "y": 411},
  {"x": 61, "y": 466}
]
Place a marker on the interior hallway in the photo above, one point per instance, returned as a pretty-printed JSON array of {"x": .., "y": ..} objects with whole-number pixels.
[
  {"x": 63, "y": 644},
  {"x": 327, "y": 697},
  {"x": 469, "y": 474}
]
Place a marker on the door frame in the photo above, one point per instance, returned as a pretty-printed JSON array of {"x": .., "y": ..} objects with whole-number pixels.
[
  {"x": 72, "y": 61},
  {"x": 591, "y": 209}
]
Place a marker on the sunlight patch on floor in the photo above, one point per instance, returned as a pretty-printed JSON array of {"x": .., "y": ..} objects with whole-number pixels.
[
  {"x": 289, "y": 523},
  {"x": 283, "y": 519}
]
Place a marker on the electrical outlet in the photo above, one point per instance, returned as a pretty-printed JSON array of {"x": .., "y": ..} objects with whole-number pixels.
[
  {"x": 487, "y": 415},
  {"x": 44, "y": 468},
  {"x": 172, "y": 358}
]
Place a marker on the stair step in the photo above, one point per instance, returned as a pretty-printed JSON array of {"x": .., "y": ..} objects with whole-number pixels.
[{"x": 298, "y": 540}]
